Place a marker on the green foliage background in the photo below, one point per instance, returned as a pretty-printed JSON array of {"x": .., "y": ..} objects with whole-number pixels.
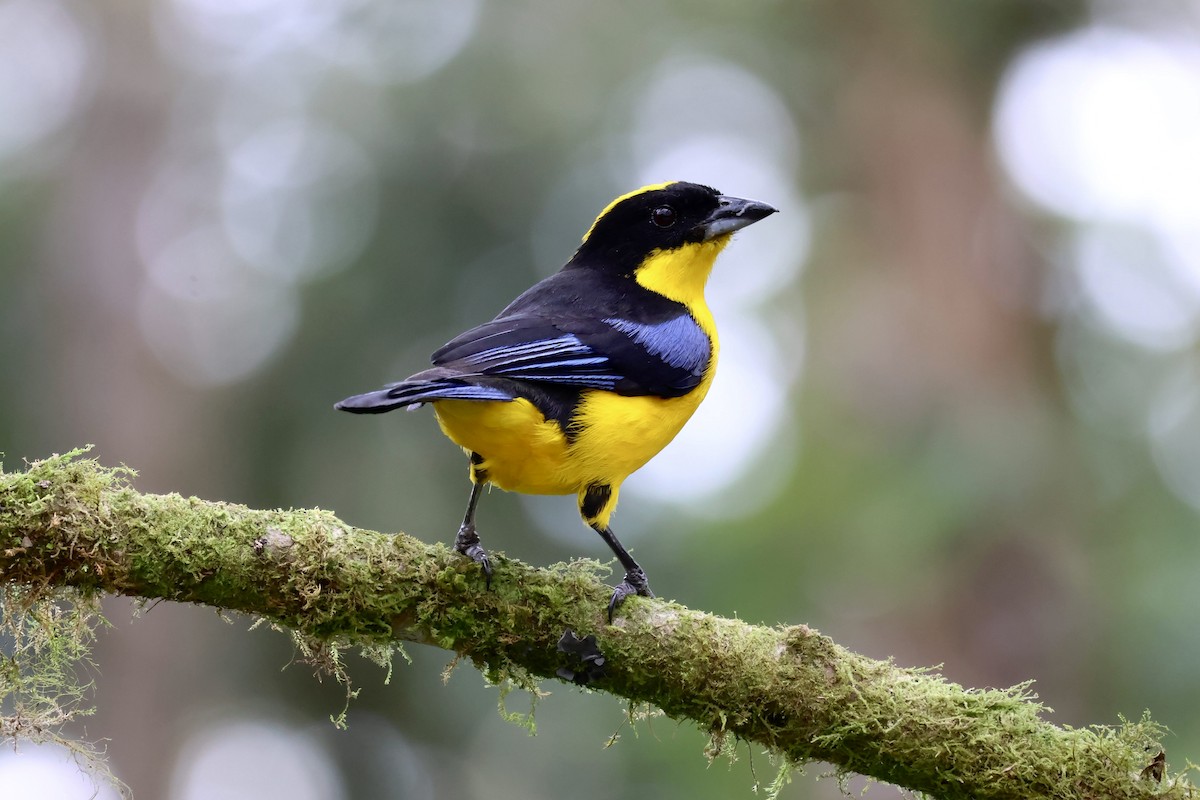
[{"x": 944, "y": 495}]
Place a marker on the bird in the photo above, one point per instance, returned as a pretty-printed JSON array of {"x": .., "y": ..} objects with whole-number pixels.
[{"x": 588, "y": 374}]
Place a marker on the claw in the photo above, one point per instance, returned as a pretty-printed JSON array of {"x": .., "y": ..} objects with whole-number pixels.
[
  {"x": 635, "y": 582},
  {"x": 467, "y": 543}
]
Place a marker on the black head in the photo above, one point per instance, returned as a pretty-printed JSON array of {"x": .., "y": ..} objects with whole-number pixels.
[{"x": 663, "y": 216}]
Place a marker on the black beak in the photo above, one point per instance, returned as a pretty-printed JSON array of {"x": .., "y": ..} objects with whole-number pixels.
[{"x": 733, "y": 214}]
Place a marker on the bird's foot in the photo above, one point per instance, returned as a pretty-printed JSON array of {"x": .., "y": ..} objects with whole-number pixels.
[
  {"x": 635, "y": 583},
  {"x": 467, "y": 543}
]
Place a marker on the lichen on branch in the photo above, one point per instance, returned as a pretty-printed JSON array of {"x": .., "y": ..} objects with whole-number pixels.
[{"x": 71, "y": 528}]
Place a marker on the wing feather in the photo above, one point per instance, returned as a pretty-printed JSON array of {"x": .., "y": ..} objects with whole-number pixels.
[
  {"x": 577, "y": 329},
  {"x": 664, "y": 358}
]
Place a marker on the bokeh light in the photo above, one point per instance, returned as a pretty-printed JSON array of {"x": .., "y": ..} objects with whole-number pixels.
[
  {"x": 1175, "y": 433},
  {"x": 399, "y": 42},
  {"x": 396, "y": 42},
  {"x": 255, "y": 759},
  {"x": 44, "y": 56},
  {"x": 1124, "y": 279},
  {"x": 298, "y": 200},
  {"x": 50, "y": 772},
  {"x": 1100, "y": 126},
  {"x": 208, "y": 318}
]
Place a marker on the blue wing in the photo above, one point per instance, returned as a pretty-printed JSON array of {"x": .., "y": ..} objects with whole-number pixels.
[
  {"x": 665, "y": 358},
  {"x": 679, "y": 341},
  {"x": 575, "y": 330},
  {"x": 528, "y": 349}
]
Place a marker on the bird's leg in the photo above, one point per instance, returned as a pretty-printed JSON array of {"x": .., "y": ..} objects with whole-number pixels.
[
  {"x": 635, "y": 581},
  {"x": 467, "y": 540},
  {"x": 596, "y": 505}
]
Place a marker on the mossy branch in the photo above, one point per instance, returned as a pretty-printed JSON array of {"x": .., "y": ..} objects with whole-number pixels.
[{"x": 69, "y": 523}]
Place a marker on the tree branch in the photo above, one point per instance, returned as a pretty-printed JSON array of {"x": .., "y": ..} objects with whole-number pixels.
[{"x": 68, "y": 522}]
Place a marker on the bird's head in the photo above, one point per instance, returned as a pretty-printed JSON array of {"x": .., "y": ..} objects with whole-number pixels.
[
  {"x": 664, "y": 217},
  {"x": 666, "y": 235}
]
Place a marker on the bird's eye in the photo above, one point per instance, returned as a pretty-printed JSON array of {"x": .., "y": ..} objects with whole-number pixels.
[{"x": 663, "y": 216}]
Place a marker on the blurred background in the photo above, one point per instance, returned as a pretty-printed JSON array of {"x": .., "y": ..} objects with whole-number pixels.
[{"x": 957, "y": 419}]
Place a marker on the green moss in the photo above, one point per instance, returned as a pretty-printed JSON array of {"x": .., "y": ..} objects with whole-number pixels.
[
  {"x": 70, "y": 528},
  {"x": 45, "y": 656}
]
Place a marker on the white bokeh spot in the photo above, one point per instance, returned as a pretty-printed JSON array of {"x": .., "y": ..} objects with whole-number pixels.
[
  {"x": 43, "y": 57},
  {"x": 255, "y": 759}
]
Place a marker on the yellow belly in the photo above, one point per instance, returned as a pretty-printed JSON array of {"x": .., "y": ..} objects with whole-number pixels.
[
  {"x": 525, "y": 452},
  {"x": 522, "y": 451}
]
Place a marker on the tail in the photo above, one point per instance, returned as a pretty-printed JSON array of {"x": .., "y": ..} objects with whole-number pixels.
[{"x": 413, "y": 394}]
